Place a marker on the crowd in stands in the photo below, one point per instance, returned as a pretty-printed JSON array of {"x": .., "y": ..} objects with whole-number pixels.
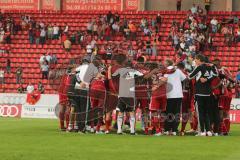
[{"x": 189, "y": 37}]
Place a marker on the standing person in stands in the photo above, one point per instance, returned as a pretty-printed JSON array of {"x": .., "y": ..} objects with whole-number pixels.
[
  {"x": 133, "y": 30},
  {"x": 202, "y": 93},
  {"x": 41, "y": 88},
  {"x": 37, "y": 36},
  {"x": 42, "y": 36},
  {"x": 19, "y": 73},
  {"x": 31, "y": 35},
  {"x": 8, "y": 66},
  {"x": 179, "y": 5},
  {"x": 67, "y": 45},
  {"x": 207, "y": 5},
  {"x": 45, "y": 70},
  {"x": 55, "y": 32},
  {"x": 50, "y": 32}
]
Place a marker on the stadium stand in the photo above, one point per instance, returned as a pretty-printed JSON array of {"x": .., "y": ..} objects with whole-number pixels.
[{"x": 27, "y": 55}]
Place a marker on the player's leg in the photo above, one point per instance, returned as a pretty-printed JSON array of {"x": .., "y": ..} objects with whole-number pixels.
[
  {"x": 131, "y": 110},
  {"x": 121, "y": 109},
  {"x": 184, "y": 114},
  {"x": 62, "y": 110}
]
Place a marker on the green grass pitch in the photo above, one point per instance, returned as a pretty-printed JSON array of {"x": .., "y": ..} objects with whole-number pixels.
[{"x": 39, "y": 139}]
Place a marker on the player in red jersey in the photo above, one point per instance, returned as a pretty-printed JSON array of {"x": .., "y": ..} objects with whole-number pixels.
[
  {"x": 225, "y": 98},
  {"x": 186, "y": 103},
  {"x": 112, "y": 91},
  {"x": 158, "y": 101},
  {"x": 97, "y": 98},
  {"x": 141, "y": 92},
  {"x": 63, "y": 102}
]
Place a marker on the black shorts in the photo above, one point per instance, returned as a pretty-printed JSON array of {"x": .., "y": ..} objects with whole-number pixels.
[
  {"x": 74, "y": 100},
  {"x": 126, "y": 104}
]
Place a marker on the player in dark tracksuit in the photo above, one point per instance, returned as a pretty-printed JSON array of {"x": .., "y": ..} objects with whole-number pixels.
[{"x": 202, "y": 74}]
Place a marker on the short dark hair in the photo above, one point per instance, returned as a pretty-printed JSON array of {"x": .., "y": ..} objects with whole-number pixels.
[
  {"x": 200, "y": 57},
  {"x": 140, "y": 59},
  {"x": 120, "y": 58},
  {"x": 181, "y": 65},
  {"x": 169, "y": 62}
]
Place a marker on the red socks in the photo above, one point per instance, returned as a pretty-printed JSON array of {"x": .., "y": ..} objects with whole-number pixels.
[{"x": 61, "y": 120}]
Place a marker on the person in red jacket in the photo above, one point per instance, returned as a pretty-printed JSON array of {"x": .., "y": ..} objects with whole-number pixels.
[
  {"x": 63, "y": 102},
  {"x": 97, "y": 99}
]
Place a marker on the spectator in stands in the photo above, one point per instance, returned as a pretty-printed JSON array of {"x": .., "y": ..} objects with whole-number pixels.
[
  {"x": 41, "y": 88},
  {"x": 131, "y": 52},
  {"x": 45, "y": 70},
  {"x": 19, "y": 73},
  {"x": 8, "y": 66},
  {"x": 66, "y": 29},
  {"x": 214, "y": 25},
  {"x": 194, "y": 9},
  {"x": 55, "y": 32},
  {"x": 67, "y": 45},
  {"x": 2, "y": 33},
  {"x": 144, "y": 23},
  {"x": 179, "y": 5},
  {"x": 133, "y": 31},
  {"x": 42, "y": 59},
  {"x": 154, "y": 47},
  {"x": 147, "y": 32},
  {"x": 115, "y": 28},
  {"x": 50, "y": 32},
  {"x": 30, "y": 88},
  {"x": 95, "y": 29},
  {"x": 20, "y": 88},
  {"x": 48, "y": 57},
  {"x": 31, "y": 35},
  {"x": 158, "y": 22},
  {"x": 148, "y": 46},
  {"x": 207, "y": 5},
  {"x": 1, "y": 77},
  {"x": 42, "y": 36},
  {"x": 37, "y": 36},
  {"x": 53, "y": 59},
  {"x": 8, "y": 37},
  {"x": 235, "y": 19},
  {"x": 89, "y": 27},
  {"x": 238, "y": 35},
  {"x": 109, "y": 16},
  {"x": 108, "y": 33}
]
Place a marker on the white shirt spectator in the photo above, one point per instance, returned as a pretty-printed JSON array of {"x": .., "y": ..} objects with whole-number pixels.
[
  {"x": 55, "y": 30},
  {"x": 89, "y": 26},
  {"x": 44, "y": 68},
  {"x": 42, "y": 59},
  {"x": 66, "y": 29},
  {"x": 89, "y": 48},
  {"x": 214, "y": 22},
  {"x": 43, "y": 33},
  {"x": 93, "y": 43},
  {"x": 48, "y": 58},
  {"x": 194, "y": 9},
  {"x": 115, "y": 27},
  {"x": 42, "y": 25},
  {"x": 30, "y": 89},
  {"x": 174, "y": 87}
]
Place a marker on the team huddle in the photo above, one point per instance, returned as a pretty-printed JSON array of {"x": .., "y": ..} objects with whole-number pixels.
[{"x": 166, "y": 93}]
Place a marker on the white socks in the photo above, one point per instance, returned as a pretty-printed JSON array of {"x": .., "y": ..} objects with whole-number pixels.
[
  {"x": 119, "y": 123},
  {"x": 132, "y": 124}
]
